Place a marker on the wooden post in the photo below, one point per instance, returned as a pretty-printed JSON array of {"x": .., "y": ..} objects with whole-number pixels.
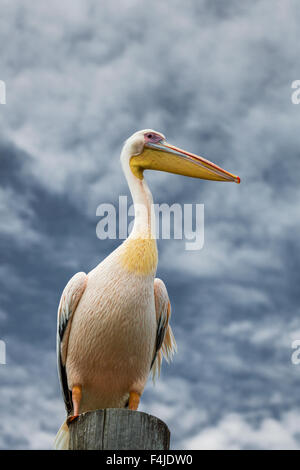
[{"x": 118, "y": 429}]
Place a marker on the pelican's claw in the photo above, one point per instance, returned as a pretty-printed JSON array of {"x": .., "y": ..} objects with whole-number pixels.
[{"x": 71, "y": 419}]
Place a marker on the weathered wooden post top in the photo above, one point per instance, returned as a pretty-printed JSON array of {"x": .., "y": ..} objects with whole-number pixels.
[{"x": 118, "y": 429}]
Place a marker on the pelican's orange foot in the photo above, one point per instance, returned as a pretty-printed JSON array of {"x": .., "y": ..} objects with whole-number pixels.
[
  {"x": 134, "y": 400},
  {"x": 71, "y": 419}
]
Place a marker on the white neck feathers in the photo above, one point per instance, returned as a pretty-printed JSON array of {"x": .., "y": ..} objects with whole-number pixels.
[{"x": 144, "y": 222}]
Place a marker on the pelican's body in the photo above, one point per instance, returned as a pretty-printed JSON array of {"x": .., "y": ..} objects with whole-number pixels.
[
  {"x": 113, "y": 323},
  {"x": 117, "y": 316}
]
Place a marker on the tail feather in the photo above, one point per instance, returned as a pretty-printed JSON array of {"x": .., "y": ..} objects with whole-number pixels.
[
  {"x": 62, "y": 438},
  {"x": 168, "y": 349}
]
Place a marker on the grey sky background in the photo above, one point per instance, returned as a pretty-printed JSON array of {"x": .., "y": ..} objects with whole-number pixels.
[{"x": 215, "y": 77}]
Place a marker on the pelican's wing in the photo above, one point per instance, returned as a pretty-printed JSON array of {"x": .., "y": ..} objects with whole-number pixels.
[
  {"x": 165, "y": 341},
  {"x": 68, "y": 303}
]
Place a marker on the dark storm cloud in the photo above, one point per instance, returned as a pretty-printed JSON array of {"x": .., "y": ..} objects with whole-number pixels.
[{"x": 215, "y": 77}]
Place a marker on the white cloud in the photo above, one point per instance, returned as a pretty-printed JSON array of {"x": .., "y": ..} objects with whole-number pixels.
[
  {"x": 234, "y": 432},
  {"x": 30, "y": 408},
  {"x": 17, "y": 218}
]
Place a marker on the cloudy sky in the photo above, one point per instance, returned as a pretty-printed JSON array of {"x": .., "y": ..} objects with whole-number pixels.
[{"x": 215, "y": 77}]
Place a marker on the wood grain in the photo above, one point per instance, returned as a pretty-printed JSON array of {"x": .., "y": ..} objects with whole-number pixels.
[{"x": 118, "y": 429}]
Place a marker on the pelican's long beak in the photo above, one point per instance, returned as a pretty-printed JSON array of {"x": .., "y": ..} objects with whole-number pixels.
[{"x": 165, "y": 157}]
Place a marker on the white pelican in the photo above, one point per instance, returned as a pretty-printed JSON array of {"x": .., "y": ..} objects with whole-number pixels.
[{"x": 113, "y": 323}]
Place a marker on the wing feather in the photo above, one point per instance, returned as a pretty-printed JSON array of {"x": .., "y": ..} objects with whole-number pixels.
[
  {"x": 165, "y": 345},
  {"x": 70, "y": 298}
]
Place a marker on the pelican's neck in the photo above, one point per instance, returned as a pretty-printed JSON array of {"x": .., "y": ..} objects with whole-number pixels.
[
  {"x": 139, "y": 251},
  {"x": 144, "y": 219}
]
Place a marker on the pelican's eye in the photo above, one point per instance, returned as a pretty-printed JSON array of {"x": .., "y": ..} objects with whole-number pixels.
[{"x": 152, "y": 137}]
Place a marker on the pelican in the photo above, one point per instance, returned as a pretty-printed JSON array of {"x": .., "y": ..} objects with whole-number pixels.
[{"x": 113, "y": 324}]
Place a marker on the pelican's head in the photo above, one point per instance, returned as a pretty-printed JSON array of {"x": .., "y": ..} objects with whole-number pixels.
[{"x": 148, "y": 150}]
